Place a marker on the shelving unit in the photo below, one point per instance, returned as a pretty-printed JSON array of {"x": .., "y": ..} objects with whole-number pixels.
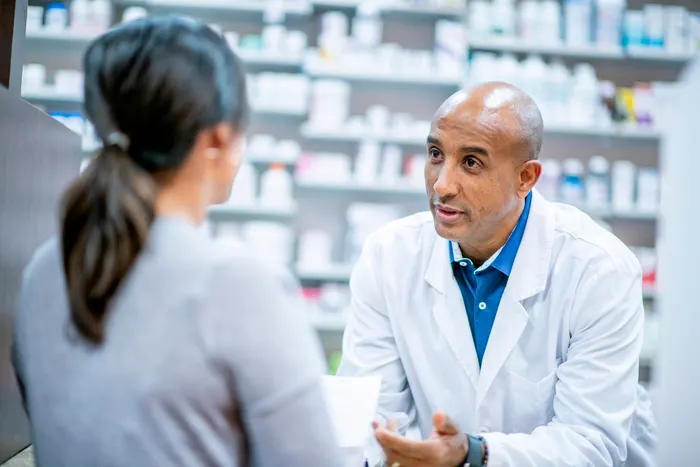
[{"x": 417, "y": 94}]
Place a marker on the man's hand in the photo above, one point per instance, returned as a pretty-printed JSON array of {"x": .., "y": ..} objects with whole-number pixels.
[{"x": 446, "y": 447}]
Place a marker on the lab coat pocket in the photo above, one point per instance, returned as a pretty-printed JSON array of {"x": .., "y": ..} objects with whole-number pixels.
[{"x": 531, "y": 402}]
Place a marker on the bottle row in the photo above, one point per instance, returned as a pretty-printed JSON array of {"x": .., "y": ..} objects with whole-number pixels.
[{"x": 586, "y": 23}]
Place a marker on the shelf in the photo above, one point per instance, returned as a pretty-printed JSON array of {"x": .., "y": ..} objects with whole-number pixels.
[
  {"x": 52, "y": 96},
  {"x": 632, "y": 214},
  {"x": 346, "y": 135},
  {"x": 328, "y": 321},
  {"x": 66, "y": 37},
  {"x": 614, "y": 132},
  {"x": 384, "y": 78},
  {"x": 224, "y": 212},
  {"x": 260, "y": 58},
  {"x": 658, "y": 55},
  {"x": 270, "y": 159},
  {"x": 561, "y": 49},
  {"x": 299, "y": 7},
  {"x": 297, "y": 113},
  {"x": 330, "y": 273},
  {"x": 350, "y": 186},
  {"x": 516, "y": 45},
  {"x": 352, "y": 136},
  {"x": 396, "y": 8}
]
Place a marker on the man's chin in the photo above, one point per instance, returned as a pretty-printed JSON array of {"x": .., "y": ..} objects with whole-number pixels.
[{"x": 450, "y": 232}]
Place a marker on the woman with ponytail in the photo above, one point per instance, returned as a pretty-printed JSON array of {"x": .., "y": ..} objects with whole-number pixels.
[{"x": 139, "y": 340}]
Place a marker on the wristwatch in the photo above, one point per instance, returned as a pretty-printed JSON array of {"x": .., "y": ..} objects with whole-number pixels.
[{"x": 475, "y": 456}]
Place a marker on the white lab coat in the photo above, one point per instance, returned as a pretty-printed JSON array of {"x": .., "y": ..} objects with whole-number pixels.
[{"x": 558, "y": 384}]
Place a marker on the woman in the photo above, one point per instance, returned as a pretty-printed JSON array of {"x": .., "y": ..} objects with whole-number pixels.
[{"x": 140, "y": 341}]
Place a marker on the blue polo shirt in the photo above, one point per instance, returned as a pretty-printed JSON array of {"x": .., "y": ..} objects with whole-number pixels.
[{"x": 483, "y": 288}]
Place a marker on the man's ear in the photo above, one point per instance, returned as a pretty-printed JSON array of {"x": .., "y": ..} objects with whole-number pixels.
[{"x": 530, "y": 173}]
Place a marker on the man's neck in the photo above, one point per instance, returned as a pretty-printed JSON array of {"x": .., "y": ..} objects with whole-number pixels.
[{"x": 479, "y": 251}]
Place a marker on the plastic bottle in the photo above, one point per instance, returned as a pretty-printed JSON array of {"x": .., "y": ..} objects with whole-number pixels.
[
  {"x": 101, "y": 15},
  {"x": 598, "y": 183},
  {"x": 535, "y": 72},
  {"x": 529, "y": 14},
  {"x": 367, "y": 166},
  {"x": 609, "y": 17},
  {"x": 503, "y": 18},
  {"x": 479, "y": 19},
  {"x": 648, "y": 190},
  {"x": 548, "y": 184},
  {"x": 560, "y": 85},
  {"x": 56, "y": 17},
  {"x": 450, "y": 48},
  {"x": 623, "y": 184},
  {"x": 244, "y": 187},
  {"x": 276, "y": 186},
  {"x": 578, "y": 16},
  {"x": 136, "y": 12},
  {"x": 367, "y": 26},
  {"x": 585, "y": 99},
  {"x": 390, "y": 171},
  {"x": 571, "y": 189},
  {"x": 550, "y": 22}
]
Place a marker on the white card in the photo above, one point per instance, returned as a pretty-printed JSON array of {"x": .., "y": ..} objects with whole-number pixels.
[{"x": 352, "y": 403}]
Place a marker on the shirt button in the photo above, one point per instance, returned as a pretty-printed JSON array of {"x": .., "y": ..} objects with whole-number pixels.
[
  {"x": 463, "y": 264},
  {"x": 482, "y": 305}
]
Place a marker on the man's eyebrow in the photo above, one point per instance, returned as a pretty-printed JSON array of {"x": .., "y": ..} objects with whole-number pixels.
[
  {"x": 475, "y": 149},
  {"x": 433, "y": 140}
]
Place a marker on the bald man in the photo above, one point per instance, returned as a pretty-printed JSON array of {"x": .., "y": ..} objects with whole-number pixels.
[{"x": 506, "y": 327}]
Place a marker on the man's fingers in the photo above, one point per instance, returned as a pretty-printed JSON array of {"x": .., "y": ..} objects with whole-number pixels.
[
  {"x": 391, "y": 425},
  {"x": 400, "y": 445},
  {"x": 444, "y": 424}
]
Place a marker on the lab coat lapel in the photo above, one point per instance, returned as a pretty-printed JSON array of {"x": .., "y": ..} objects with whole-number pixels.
[
  {"x": 528, "y": 277},
  {"x": 448, "y": 309}
]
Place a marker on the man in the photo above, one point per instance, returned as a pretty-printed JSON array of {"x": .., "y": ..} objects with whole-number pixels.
[{"x": 519, "y": 319}]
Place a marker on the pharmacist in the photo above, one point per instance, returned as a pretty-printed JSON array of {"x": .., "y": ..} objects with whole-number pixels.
[{"x": 507, "y": 327}]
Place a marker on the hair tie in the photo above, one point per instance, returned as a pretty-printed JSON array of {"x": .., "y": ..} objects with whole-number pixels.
[{"x": 119, "y": 139}]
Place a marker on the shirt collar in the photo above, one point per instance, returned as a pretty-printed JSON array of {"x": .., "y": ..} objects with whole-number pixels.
[{"x": 504, "y": 258}]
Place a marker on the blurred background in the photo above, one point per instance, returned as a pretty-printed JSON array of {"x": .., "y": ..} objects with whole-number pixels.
[{"x": 343, "y": 92}]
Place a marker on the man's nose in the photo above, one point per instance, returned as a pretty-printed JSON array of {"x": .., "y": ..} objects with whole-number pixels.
[{"x": 445, "y": 186}]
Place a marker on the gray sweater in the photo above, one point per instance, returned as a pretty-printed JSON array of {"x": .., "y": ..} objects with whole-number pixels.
[{"x": 208, "y": 361}]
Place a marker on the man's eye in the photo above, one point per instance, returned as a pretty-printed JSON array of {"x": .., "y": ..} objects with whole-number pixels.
[
  {"x": 472, "y": 162},
  {"x": 435, "y": 154}
]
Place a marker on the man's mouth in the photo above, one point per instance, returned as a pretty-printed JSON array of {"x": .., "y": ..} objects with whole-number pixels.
[{"x": 447, "y": 213}]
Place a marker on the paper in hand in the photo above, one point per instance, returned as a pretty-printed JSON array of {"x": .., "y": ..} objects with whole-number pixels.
[{"x": 352, "y": 403}]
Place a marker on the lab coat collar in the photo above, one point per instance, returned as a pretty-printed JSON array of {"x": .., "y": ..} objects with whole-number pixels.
[{"x": 528, "y": 276}]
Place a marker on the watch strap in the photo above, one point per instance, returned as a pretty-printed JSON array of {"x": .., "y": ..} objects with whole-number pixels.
[{"x": 475, "y": 456}]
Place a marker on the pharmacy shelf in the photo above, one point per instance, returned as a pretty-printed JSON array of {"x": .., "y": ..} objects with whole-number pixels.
[
  {"x": 225, "y": 212},
  {"x": 352, "y": 187},
  {"x": 562, "y": 130},
  {"x": 329, "y": 273},
  {"x": 658, "y": 55},
  {"x": 66, "y": 38},
  {"x": 396, "y": 7},
  {"x": 53, "y": 97},
  {"x": 294, "y": 7},
  {"x": 328, "y": 321},
  {"x": 621, "y": 214},
  {"x": 258, "y": 58},
  {"x": 384, "y": 78},
  {"x": 517, "y": 45},
  {"x": 271, "y": 159},
  {"x": 352, "y": 136},
  {"x": 611, "y": 132}
]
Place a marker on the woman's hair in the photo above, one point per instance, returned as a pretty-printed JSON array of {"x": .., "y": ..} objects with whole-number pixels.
[{"x": 151, "y": 87}]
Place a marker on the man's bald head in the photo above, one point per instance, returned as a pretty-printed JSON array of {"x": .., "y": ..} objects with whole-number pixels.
[{"x": 502, "y": 105}]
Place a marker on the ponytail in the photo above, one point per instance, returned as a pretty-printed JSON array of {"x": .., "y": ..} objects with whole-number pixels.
[{"x": 107, "y": 215}]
